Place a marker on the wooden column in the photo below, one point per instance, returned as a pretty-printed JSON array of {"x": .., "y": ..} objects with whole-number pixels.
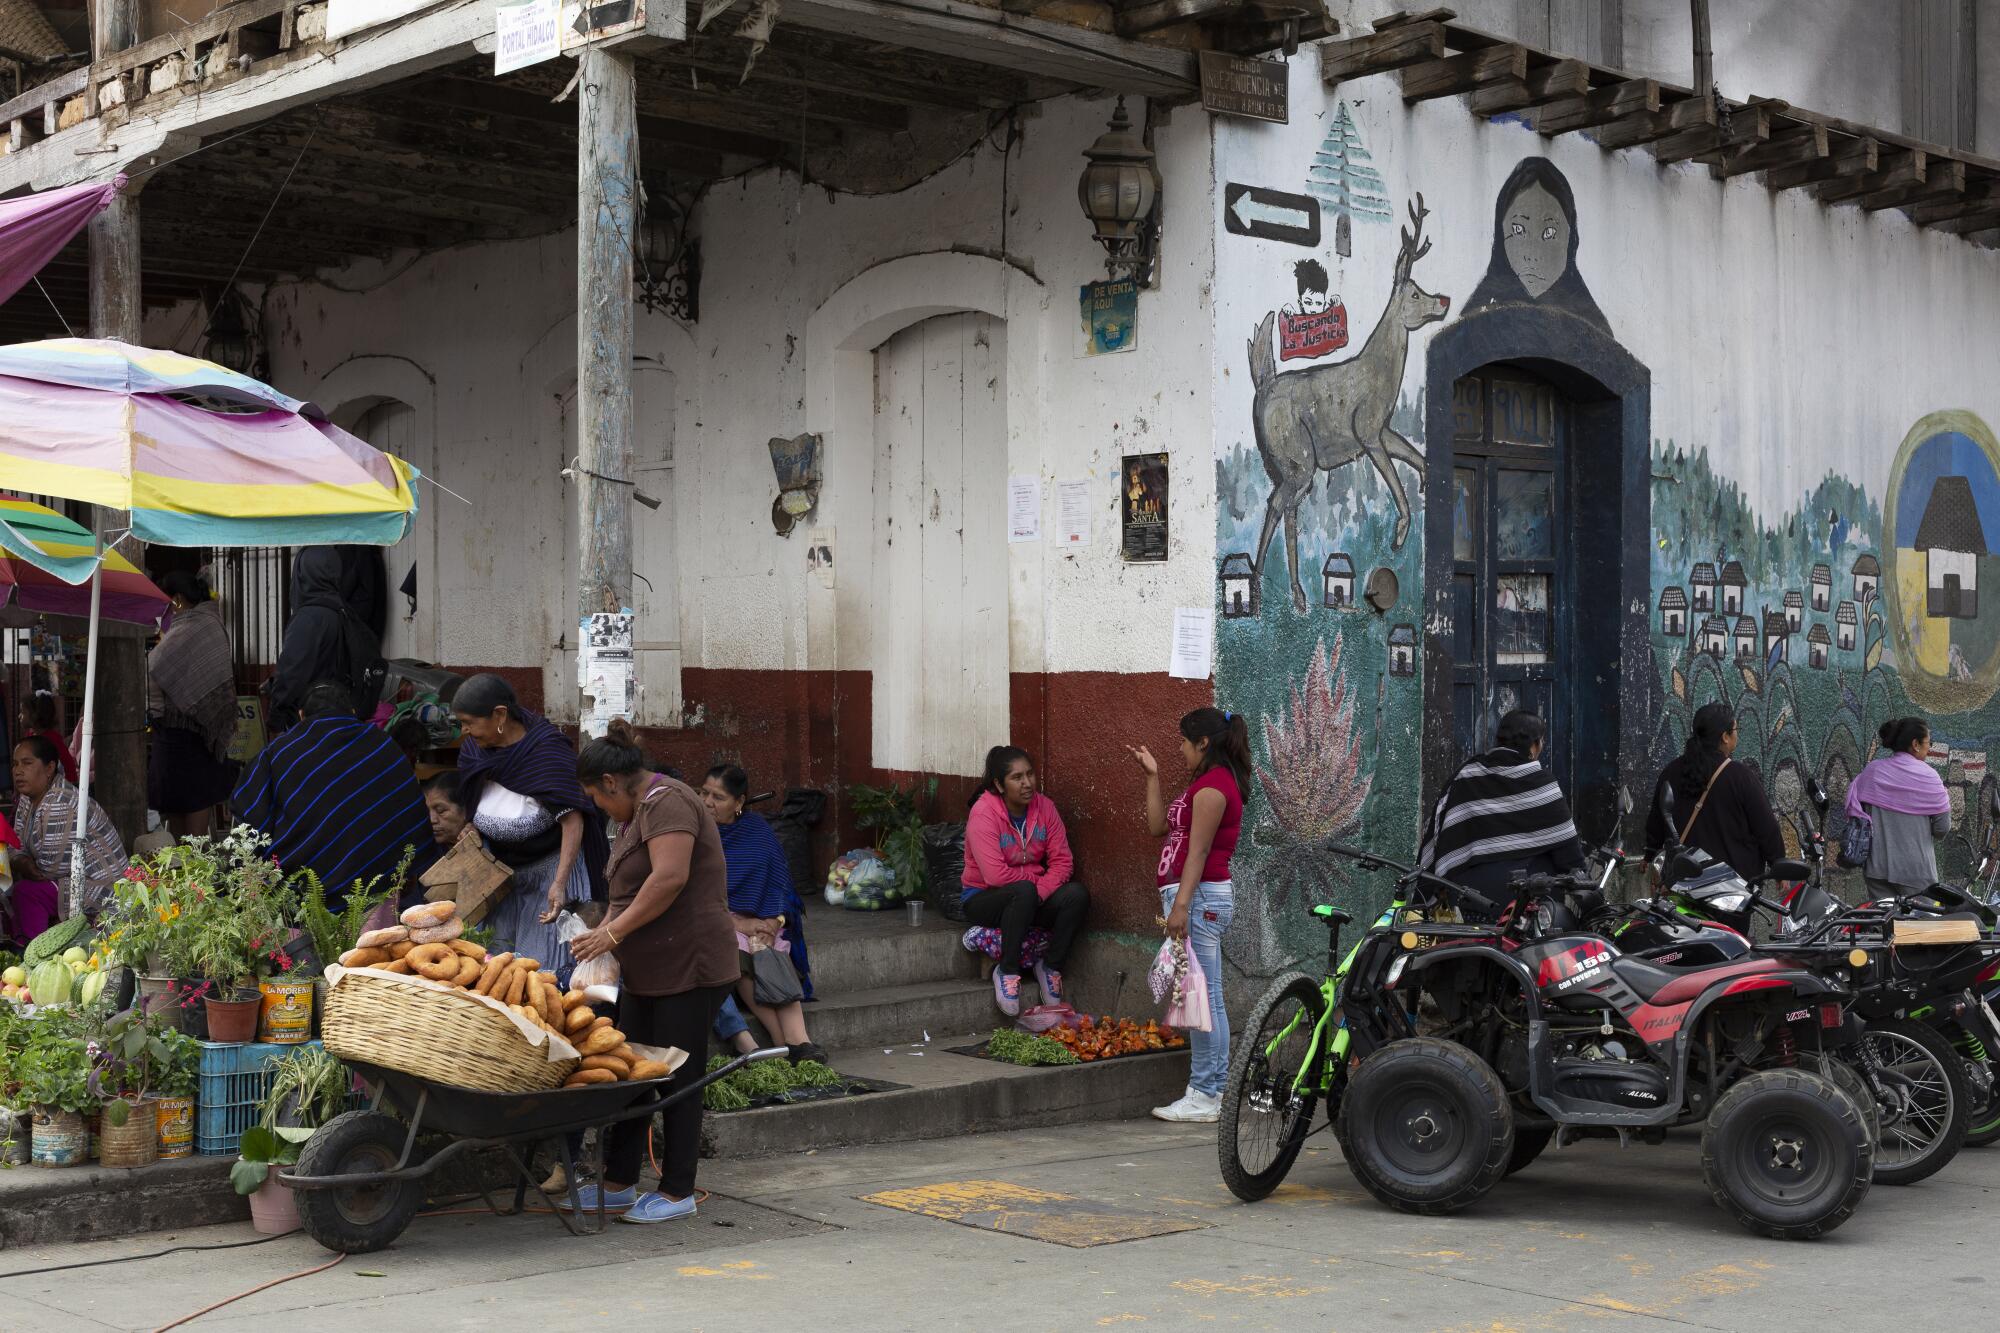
[
  {"x": 119, "y": 745},
  {"x": 607, "y": 165}
]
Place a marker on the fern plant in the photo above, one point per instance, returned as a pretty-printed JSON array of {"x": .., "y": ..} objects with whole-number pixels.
[
  {"x": 333, "y": 933},
  {"x": 895, "y": 814}
]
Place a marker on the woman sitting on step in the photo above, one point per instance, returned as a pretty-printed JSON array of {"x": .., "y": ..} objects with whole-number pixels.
[{"x": 1017, "y": 868}]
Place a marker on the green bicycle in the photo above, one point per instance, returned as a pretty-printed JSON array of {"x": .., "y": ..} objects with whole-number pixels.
[{"x": 1299, "y": 1048}]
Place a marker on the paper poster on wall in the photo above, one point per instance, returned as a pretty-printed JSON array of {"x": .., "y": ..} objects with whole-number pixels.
[
  {"x": 1110, "y": 316},
  {"x": 819, "y": 555},
  {"x": 1024, "y": 509},
  {"x": 248, "y": 741},
  {"x": 1073, "y": 513},
  {"x": 1142, "y": 506},
  {"x": 526, "y": 32},
  {"x": 1194, "y": 643}
]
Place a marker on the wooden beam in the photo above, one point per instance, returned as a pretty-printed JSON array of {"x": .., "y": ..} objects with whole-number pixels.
[
  {"x": 532, "y": 107},
  {"x": 1982, "y": 197},
  {"x": 1788, "y": 145},
  {"x": 779, "y": 67},
  {"x": 1376, "y": 52},
  {"x": 1855, "y": 157},
  {"x": 1598, "y": 106},
  {"x": 1894, "y": 168},
  {"x": 1748, "y": 124},
  {"x": 1464, "y": 72},
  {"x": 1544, "y": 83},
  {"x": 1043, "y": 47},
  {"x": 1403, "y": 18},
  {"x": 1944, "y": 180},
  {"x": 1645, "y": 127}
]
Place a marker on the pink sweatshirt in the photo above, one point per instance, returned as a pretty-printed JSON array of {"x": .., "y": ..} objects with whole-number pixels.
[{"x": 997, "y": 853}]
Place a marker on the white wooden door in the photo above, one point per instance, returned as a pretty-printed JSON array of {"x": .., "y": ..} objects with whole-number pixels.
[
  {"x": 391, "y": 426},
  {"x": 939, "y": 649},
  {"x": 656, "y": 565}
]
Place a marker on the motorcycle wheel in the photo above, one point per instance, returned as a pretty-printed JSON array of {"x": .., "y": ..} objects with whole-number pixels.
[
  {"x": 1787, "y": 1154},
  {"x": 1262, "y": 1127},
  {"x": 1425, "y": 1126},
  {"x": 1982, "y": 1124},
  {"x": 1928, "y": 1129},
  {"x": 1529, "y": 1141},
  {"x": 1850, "y": 1081}
]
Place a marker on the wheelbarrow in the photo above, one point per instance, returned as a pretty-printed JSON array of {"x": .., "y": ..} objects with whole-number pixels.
[{"x": 358, "y": 1180}]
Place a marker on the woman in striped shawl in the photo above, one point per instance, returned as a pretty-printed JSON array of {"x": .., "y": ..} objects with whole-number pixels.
[{"x": 1501, "y": 813}]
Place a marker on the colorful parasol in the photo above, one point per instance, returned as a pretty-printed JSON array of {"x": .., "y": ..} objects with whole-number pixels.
[
  {"x": 35, "y": 227},
  {"x": 199, "y": 455},
  {"x": 36, "y": 542}
]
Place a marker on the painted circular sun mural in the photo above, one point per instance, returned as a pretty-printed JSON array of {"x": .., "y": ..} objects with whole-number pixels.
[{"x": 1941, "y": 545}]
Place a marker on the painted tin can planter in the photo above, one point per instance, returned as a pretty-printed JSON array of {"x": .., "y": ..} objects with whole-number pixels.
[
  {"x": 134, "y": 1143},
  {"x": 60, "y": 1139},
  {"x": 286, "y": 1014},
  {"x": 174, "y": 1120}
]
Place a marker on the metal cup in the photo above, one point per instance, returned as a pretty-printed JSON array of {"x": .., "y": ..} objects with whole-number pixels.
[{"x": 916, "y": 910}]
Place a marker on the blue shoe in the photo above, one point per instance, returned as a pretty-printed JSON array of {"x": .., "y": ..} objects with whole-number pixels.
[
  {"x": 1007, "y": 992},
  {"x": 585, "y": 1200},
  {"x": 657, "y": 1208},
  {"x": 1051, "y": 982}
]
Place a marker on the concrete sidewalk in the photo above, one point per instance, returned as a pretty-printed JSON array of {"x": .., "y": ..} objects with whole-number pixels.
[{"x": 1590, "y": 1238}]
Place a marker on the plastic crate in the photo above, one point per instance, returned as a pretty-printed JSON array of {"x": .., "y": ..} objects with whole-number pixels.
[{"x": 234, "y": 1078}]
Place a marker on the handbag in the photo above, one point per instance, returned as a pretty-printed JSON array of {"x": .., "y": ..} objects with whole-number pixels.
[
  {"x": 1857, "y": 840},
  {"x": 774, "y": 981}
]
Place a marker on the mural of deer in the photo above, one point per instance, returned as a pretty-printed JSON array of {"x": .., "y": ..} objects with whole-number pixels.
[{"x": 1321, "y": 418}]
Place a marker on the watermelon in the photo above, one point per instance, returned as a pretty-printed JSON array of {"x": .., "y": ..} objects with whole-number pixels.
[
  {"x": 51, "y": 982},
  {"x": 51, "y": 942}
]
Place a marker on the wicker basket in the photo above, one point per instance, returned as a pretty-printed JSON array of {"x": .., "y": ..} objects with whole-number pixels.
[{"x": 447, "y": 1036}]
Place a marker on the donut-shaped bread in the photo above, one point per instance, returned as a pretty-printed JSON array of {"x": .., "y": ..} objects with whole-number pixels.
[
  {"x": 602, "y": 1042},
  {"x": 650, "y": 1069},
  {"x": 468, "y": 970},
  {"x": 364, "y": 957},
  {"x": 443, "y": 934},
  {"x": 573, "y": 999},
  {"x": 401, "y": 950},
  {"x": 585, "y": 1077},
  {"x": 430, "y": 914},
  {"x": 400, "y": 966},
  {"x": 578, "y": 1020},
  {"x": 434, "y": 961},
  {"x": 469, "y": 949},
  {"x": 383, "y": 938},
  {"x": 516, "y": 982},
  {"x": 610, "y": 1062}
]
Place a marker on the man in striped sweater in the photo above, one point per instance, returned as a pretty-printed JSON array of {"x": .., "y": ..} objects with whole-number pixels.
[{"x": 1500, "y": 814}]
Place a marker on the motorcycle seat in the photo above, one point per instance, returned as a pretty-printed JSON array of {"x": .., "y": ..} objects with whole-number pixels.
[{"x": 1677, "y": 985}]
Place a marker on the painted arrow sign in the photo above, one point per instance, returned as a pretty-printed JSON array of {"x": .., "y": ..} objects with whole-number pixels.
[{"x": 1270, "y": 215}]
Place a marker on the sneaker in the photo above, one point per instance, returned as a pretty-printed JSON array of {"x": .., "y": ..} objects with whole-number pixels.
[
  {"x": 808, "y": 1050},
  {"x": 653, "y": 1207},
  {"x": 1007, "y": 992},
  {"x": 1194, "y": 1108},
  {"x": 584, "y": 1200},
  {"x": 1051, "y": 983}
]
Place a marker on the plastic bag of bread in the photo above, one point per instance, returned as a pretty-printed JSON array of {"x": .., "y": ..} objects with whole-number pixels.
[{"x": 601, "y": 971}]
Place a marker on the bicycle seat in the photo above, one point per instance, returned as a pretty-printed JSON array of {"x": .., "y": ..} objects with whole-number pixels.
[
  {"x": 1659, "y": 985},
  {"x": 1328, "y": 912}
]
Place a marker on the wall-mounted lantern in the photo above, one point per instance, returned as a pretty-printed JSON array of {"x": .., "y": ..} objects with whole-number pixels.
[
  {"x": 666, "y": 271},
  {"x": 1120, "y": 194},
  {"x": 232, "y": 343},
  {"x": 796, "y": 463}
]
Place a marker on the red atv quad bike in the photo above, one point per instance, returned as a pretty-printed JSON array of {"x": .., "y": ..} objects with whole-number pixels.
[{"x": 1487, "y": 1042}]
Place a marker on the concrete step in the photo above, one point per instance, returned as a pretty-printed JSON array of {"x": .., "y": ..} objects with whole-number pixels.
[
  {"x": 857, "y": 951},
  {"x": 901, "y": 1015},
  {"x": 948, "y": 1095}
]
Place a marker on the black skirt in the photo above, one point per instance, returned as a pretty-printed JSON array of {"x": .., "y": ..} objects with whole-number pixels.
[{"x": 182, "y": 777}]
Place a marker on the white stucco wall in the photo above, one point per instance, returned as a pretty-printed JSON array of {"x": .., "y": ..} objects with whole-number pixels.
[{"x": 481, "y": 341}]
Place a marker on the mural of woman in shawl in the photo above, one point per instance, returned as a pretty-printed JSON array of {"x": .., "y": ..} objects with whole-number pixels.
[{"x": 1534, "y": 247}]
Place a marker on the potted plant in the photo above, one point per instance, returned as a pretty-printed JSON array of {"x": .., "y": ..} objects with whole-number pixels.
[
  {"x": 129, "y": 1061},
  {"x": 174, "y": 1090},
  {"x": 333, "y": 932},
  {"x": 54, "y": 1074},
  {"x": 308, "y": 1088},
  {"x": 273, "y": 1210},
  {"x": 228, "y": 910}
]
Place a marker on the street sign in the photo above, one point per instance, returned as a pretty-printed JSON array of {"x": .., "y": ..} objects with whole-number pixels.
[
  {"x": 526, "y": 32},
  {"x": 1270, "y": 215},
  {"x": 621, "y": 22},
  {"x": 1245, "y": 86}
]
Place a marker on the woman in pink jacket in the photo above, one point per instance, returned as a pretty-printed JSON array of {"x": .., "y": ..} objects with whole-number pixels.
[{"x": 1017, "y": 866}]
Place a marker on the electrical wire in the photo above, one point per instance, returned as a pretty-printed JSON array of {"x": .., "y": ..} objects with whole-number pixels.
[
  {"x": 131, "y": 1258},
  {"x": 261, "y": 1286}
]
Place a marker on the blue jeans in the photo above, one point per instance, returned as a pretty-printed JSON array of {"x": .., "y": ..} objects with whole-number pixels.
[
  {"x": 1208, "y": 916},
  {"x": 730, "y": 1021}
]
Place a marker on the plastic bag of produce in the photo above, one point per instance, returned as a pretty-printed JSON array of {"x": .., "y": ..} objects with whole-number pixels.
[
  {"x": 838, "y": 874},
  {"x": 872, "y": 886}
]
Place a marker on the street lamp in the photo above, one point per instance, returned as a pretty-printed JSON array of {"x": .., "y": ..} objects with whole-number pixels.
[
  {"x": 669, "y": 262},
  {"x": 1120, "y": 194},
  {"x": 230, "y": 344}
]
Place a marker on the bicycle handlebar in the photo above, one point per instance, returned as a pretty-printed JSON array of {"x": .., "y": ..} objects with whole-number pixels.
[{"x": 1371, "y": 861}]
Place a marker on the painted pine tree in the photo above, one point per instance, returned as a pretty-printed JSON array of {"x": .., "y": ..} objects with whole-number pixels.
[{"x": 1344, "y": 179}]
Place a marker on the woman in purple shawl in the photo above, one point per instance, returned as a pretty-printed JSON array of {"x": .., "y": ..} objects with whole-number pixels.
[
  {"x": 517, "y": 781},
  {"x": 1904, "y": 800}
]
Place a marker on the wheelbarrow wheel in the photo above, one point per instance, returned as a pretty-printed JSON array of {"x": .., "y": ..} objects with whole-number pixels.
[{"x": 357, "y": 1219}]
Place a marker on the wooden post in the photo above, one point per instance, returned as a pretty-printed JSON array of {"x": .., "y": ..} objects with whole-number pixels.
[
  {"x": 119, "y": 712},
  {"x": 607, "y": 166}
]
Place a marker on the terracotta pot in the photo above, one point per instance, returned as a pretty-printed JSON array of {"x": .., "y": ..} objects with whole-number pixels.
[
  {"x": 274, "y": 1210},
  {"x": 134, "y": 1143},
  {"x": 60, "y": 1138},
  {"x": 173, "y": 1119},
  {"x": 232, "y": 1020}
]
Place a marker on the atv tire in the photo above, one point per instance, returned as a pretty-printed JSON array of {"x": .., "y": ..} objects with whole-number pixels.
[
  {"x": 1529, "y": 1141},
  {"x": 1425, "y": 1126},
  {"x": 1787, "y": 1154},
  {"x": 1852, "y": 1082}
]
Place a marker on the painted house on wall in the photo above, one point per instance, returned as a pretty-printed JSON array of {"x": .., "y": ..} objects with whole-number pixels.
[
  {"x": 1715, "y": 637},
  {"x": 1822, "y": 587},
  {"x": 1236, "y": 578},
  {"x": 1702, "y": 582},
  {"x": 1403, "y": 651},
  {"x": 1817, "y": 640},
  {"x": 1733, "y": 583},
  {"x": 1951, "y": 541},
  {"x": 1777, "y": 637},
  {"x": 1338, "y": 572},
  {"x": 1867, "y": 577},
  {"x": 1795, "y": 610},
  {"x": 1673, "y": 611},
  {"x": 1844, "y": 619},
  {"x": 1746, "y": 638}
]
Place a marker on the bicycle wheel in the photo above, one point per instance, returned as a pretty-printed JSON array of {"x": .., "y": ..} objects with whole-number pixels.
[
  {"x": 1264, "y": 1121},
  {"x": 1926, "y": 1126}
]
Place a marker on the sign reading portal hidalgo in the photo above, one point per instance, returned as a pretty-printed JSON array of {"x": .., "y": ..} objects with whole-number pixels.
[
  {"x": 1245, "y": 86},
  {"x": 526, "y": 32}
]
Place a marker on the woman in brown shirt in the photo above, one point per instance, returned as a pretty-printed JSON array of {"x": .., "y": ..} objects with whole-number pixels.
[{"x": 669, "y": 927}]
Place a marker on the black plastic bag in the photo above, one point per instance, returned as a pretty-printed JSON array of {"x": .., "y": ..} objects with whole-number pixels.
[{"x": 944, "y": 862}]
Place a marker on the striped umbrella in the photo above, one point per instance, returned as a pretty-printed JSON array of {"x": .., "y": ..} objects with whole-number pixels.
[{"x": 40, "y": 554}]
